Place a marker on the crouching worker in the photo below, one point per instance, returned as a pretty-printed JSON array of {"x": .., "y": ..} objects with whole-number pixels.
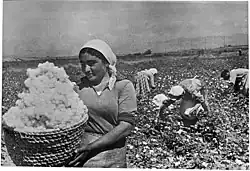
[
  {"x": 193, "y": 98},
  {"x": 238, "y": 79},
  {"x": 144, "y": 81}
]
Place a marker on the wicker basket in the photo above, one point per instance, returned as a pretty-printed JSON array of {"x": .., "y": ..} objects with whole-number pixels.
[{"x": 51, "y": 148}]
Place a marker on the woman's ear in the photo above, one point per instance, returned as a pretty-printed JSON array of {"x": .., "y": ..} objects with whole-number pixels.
[
  {"x": 107, "y": 65},
  {"x": 108, "y": 69}
]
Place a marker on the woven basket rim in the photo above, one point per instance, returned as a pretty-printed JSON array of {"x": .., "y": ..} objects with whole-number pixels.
[{"x": 83, "y": 120}]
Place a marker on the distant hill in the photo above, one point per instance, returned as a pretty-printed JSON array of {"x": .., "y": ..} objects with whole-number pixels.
[
  {"x": 156, "y": 47},
  {"x": 200, "y": 42}
]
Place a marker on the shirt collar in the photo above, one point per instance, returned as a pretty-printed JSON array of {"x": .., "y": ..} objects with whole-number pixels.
[{"x": 104, "y": 84}]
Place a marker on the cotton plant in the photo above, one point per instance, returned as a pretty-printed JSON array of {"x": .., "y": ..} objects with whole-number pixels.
[{"x": 48, "y": 103}]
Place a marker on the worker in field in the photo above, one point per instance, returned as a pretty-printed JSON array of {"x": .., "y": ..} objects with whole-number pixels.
[
  {"x": 111, "y": 104},
  {"x": 237, "y": 79},
  {"x": 193, "y": 100},
  {"x": 144, "y": 81},
  {"x": 240, "y": 52}
]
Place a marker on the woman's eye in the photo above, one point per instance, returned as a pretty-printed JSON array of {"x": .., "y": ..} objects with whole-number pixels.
[{"x": 91, "y": 63}]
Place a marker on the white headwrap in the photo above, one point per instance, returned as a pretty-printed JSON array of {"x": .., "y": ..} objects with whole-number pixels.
[
  {"x": 176, "y": 90},
  {"x": 158, "y": 100},
  {"x": 107, "y": 52},
  {"x": 153, "y": 71}
]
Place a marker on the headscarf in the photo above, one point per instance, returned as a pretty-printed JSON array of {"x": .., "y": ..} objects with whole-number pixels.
[
  {"x": 153, "y": 71},
  {"x": 107, "y": 52},
  {"x": 176, "y": 91},
  {"x": 158, "y": 100}
]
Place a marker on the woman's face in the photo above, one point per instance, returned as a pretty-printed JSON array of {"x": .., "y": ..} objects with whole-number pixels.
[
  {"x": 93, "y": 67},
  {"x": 175, "y": 97}
]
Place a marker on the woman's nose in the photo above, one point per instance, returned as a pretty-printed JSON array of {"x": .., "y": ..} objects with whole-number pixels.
[{"x": 87, "y": 68}]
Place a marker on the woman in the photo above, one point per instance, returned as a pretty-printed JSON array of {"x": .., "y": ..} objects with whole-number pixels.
[
  {"x": 238, "y": 79},
  {"x": 111, "y": 104},
  {"x": 193, "y": 98},
  {"x": 144, "y": 80}
]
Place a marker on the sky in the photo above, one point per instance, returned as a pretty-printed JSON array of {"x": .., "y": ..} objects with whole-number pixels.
[{"x": 60, "y": 28}]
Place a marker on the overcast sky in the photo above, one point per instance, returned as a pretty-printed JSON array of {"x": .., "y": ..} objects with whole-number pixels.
[{"x": 62, "y": 27}]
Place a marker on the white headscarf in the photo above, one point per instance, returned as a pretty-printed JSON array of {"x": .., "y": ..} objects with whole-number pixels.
[
  {"x": 153, "y": 71},
  {"x": 158, "y": 100},
  {"x": 107, "y": 52},
  {"x": 176, "y": 91}
]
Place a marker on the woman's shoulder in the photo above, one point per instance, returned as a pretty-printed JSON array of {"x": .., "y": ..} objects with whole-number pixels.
[
  {"x": 124, "y": 85},
  {"x": 186, "y": 82},
  {"x": 191, "y": 85},
  {"x": 120, "y": 83}
]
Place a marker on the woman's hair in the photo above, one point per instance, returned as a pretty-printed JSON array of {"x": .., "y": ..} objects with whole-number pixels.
[
  {"x": 172, "y": 97},
  {"x": 94, "y": 52},
  {"x": 224, "y": 74}
]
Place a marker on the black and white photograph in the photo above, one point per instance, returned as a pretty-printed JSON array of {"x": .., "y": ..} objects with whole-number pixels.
[{"x": 125, "y": 84}]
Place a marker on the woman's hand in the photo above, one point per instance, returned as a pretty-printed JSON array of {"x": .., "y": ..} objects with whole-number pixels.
[
  {"x": 191, "y": 111},
  {"x": 80, "y": 156},
  {"x": 76, "y": 87}
]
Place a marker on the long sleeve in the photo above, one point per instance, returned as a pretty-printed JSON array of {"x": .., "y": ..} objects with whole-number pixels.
[
  {"x": 233, "y": 76},
  {"x": 152, "y": 82},
  {"x": 240, "y": 72},
  {"x": 127, "y": 103},
  {"x": 150, "y": 77}
]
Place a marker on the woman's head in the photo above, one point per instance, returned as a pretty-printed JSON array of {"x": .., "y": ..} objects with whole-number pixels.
[
  {"x": 97, "y": 59},
  {"x": 176, "y": 92},
  {"x": 94, "y": 66},
  {"x": 225, "y": 74},
  {"x": 153, "y": 71}
]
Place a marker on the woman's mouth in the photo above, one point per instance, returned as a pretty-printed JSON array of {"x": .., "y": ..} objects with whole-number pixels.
[{"x": 89, "y": 75}]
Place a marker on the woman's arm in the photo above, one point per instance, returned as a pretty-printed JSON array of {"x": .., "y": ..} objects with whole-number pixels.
[
  {"x": 189, "y": 111},
  {"x": 126, "y": 105},
  {"x": 151, "y": 78},
  {"x": 205, "y": 104},
  {"x": 152, "y": 81},
  {"x": 119, "y": 132}
]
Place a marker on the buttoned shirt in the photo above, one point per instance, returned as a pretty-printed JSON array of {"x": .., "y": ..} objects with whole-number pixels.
[{"x": 107, "y": 107}]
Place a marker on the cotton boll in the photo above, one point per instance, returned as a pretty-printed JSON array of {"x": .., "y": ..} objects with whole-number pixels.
[
  {"x": 73, "y": 96},
  {"x": 32, "y": 73},
  {"x": 11, "y": 116},
  {"x": 20, "y": 104},
  {"x": 21, "y": 95},
  {"x": 43, "y": 79},
  {"x": 28, "y": 82},
  {"x": 28, "y": 111},
  {"x": 50, "y": 75},
  {"x": 28, "y": 100},
  {"x": 49, "y": 103},
  {"x": 61, "y": 74},
  {"x": 29, "y": 72},
  {"x": 50, "y": 108},
  {"x": 37, "y": 84},
  {"x": 64, "y": 88}
]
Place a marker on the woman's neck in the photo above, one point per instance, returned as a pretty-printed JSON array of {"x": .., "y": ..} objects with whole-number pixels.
[{"x": 103, "y": 83}]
